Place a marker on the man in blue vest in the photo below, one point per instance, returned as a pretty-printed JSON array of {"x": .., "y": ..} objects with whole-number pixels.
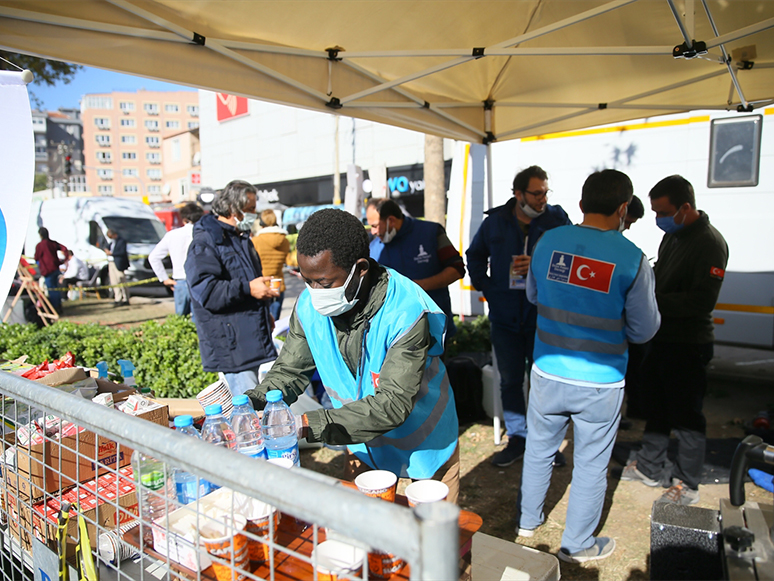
[
  {"x": 418, "y": 249},
  {"x": 498, "y": 259},
  {"x": 594, "y": 292},
  {"x": 376, "y": 340}
]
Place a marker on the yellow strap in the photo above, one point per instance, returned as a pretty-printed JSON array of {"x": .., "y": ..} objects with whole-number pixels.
[{"x": 86, "y": 569}]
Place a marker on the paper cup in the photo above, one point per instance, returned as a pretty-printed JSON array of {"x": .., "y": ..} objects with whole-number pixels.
[
  {"x": 283, "y": 462},
  {"x": 337, "y": 561},
  {"x": 260, "y": 526},
  {"x": 378, "y": 484},
  {"x": 217, "y": 392},
  {"x": 276, "y": 284},
  {"x": 383, "y": 565},
  {"x": 426, "y": 491},
  {"x": 227, "y": 549}
]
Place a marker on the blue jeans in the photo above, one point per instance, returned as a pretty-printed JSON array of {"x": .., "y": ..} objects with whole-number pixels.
[
  {"x": 242, "y": 381},
  {"x": 182, "y": 298},
  {"x": 275, "y": 307},
  {"x": 54, "y": 297},
  {"x": 513, "y": 350},
  {"x": 594, "y": 413}
]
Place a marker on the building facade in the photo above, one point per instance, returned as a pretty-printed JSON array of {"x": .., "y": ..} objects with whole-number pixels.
[
  {"x": 59, "y": 150},
  {"x": 123, "y": 134},
  {"x": 181, "y": 161}
]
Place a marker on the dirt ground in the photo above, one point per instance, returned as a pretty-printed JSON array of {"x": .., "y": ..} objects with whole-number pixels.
[{"x": 491, "y": 492}]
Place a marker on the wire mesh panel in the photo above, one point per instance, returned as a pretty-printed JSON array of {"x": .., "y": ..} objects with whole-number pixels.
[{"x": 77, "y": 497}]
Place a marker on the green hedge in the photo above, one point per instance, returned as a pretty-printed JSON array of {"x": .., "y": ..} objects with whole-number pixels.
[
  {"x": 166, "y": 355},
  {"x": 471, "y": 335}
]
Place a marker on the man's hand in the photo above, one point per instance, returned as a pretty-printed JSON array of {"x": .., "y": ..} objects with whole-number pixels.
[
  {"x": 521, "y": 264},
  {"x": 260, "y": 288},
  {"x": 170, "y": 282}
]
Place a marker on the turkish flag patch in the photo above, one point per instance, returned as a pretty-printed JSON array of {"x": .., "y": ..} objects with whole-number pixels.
[
  {"x": 589, "y": 273},
  {"x": 375, "y": 380},
  {"x": 716, "y": 272}
]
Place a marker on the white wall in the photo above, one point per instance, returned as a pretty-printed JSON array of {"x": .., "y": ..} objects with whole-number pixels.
[{"x": 277, "y": 143}]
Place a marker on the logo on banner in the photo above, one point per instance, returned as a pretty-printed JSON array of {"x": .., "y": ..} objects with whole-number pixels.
[
  {"x": 596, "y": 275},
  {"x": 230, "y": 106}
]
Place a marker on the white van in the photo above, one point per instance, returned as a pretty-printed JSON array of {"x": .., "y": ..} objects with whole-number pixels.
[{"x": 81, "y": 224}]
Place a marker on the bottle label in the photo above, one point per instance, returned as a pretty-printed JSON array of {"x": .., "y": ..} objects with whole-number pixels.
[
  {"x": 288, "y": 453},
  {"x": 154, "y": 480}
]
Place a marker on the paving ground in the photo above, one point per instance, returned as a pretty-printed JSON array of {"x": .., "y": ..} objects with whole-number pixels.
[{"x": 742, "y": 383}]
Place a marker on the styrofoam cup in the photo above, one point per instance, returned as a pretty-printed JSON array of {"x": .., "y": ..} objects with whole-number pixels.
[{"x": 426, "y": 491}]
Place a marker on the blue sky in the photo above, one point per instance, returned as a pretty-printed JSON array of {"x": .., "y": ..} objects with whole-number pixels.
[{"x": 91, "y": 80}]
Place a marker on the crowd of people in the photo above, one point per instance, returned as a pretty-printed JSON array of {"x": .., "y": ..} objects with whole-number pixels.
[{"x": 568, "y": 304}]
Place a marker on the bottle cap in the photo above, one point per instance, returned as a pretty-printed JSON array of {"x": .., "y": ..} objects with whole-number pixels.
[
  {"x": 274, "y": 395},
  {"x": 213, "y": 410},
  {"x": 102, "y": 368},
  {"x": 183, "y": 421},
  {"x": 239, "y": 400},
  {"x": 127, "y": 367}
]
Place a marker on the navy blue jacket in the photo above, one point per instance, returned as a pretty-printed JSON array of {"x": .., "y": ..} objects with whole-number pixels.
[
  {"x": 119, "y": 254},
  {"x": 497, "y": 241},
  {"x": 233, "y": 326}
]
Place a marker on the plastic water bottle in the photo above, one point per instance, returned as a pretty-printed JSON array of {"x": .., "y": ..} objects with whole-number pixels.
[
  {"x": 279, "y": 429},
  {"x": 150, "y": 476},
  {"x": 188, "y": 487},
  {"x": 247, "y": 428},
  {"x": 216, "y": 429}
]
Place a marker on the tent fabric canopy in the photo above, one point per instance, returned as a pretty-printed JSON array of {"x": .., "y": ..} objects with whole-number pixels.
[{"x": 474, "y": 70}]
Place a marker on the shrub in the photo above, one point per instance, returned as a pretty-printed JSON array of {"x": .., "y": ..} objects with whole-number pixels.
[
  {"x": 166, "y": 355},
  {"x": 471, "y": 335}
]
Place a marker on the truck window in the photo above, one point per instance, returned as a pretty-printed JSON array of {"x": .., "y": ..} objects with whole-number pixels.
[
  {"x": 136, "y": 230},
  {"x": 735, "y": 152},
  {"x": 96, "y": 237}
]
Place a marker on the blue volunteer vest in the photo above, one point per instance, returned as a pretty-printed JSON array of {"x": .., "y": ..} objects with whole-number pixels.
[
  {"x": 414, "y": 254},
  {"x": 425, "y": 441},
  {"x": 582, "y": 277}
]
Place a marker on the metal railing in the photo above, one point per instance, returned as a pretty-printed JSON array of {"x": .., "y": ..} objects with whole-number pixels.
[{"x": 426, "y": 537}]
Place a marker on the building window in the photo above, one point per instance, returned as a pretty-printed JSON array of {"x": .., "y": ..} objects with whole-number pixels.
[
  {"x": 127, "y": 123},
  {"x": 128, "y": 155},
  {"x": 735, "y": 152},
  {"x": 130, "y": 172},
  {"x": 103, "y": 140},
  {"x": 154, "y": 174},
  {"x": 102, "y": 122},
  {"x": 131, "y": 189},
  {"x": 126, "y": 106},
  {"x": 104, "y": 157},
  {"x": 153, "y": 157},
  {"x": 193, "y": 124},
  {"x": 105, "y": 174},
  {"x": 193, "y": 110},
  {"x": 152, "y": 141},
  {"x": 153, "y": 189},
  {"x": 128, "y": 139},
  {"x": 171, "y": 108},
  {"x": 38, "y": 123},
  {"x": 151, "y": 125},
  {"x": 151, "y": 108},
  {"x": 97, "y": 102},
  {"x": 173, "y": 124},
  {"x": 106, "y": 190}
]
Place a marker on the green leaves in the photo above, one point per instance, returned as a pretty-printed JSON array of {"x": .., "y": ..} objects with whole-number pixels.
[
  {"x": 166, "y": 356},
  {"x": 472, "y": 335}
]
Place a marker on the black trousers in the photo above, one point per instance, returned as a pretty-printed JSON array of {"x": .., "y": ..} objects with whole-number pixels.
[{"x": 675, "y": 381}]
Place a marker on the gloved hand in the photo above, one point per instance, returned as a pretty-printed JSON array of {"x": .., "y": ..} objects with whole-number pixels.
[
  {"x": 302, "y": 426},
  {"x": 762, "y": 479}
]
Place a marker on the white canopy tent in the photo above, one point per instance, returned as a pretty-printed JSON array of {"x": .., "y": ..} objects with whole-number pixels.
[{"x": 474, "y": 70}]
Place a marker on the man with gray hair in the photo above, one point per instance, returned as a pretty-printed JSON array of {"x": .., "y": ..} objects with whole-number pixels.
[{"x": 228, "y": 290}]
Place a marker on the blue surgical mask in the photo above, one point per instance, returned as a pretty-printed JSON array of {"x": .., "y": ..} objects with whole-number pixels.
[
  {"x": 668, "y": 224},
  {"x": 331, "y": 302},
  {"x": 247, "y": 221}
]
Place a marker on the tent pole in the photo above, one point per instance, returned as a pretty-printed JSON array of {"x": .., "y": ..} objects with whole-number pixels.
[{"x": 726, "y": 59}]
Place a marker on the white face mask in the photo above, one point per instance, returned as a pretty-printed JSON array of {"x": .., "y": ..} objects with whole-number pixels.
[
  {"x": 529, "y": 211},
  {"x": 331, "y": 302},
  {"x": 622, "y": 223},
  {"x": 389, "y": 235},
  {"x": 247, "y": 221}
]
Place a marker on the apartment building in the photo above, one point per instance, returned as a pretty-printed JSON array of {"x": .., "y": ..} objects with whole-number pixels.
[
  {"x": 59, "y": 150},
  {"x": 123, "y": 133},
  {"x": 181, "y": 155}
]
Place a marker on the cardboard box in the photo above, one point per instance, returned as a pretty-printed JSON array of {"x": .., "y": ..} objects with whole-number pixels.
[
  {"x": 182, "y": 407},
  {"x": 96, "y": 501},
  {"x": 63, "y": 377},
  {"x": 53, "y": 465}
]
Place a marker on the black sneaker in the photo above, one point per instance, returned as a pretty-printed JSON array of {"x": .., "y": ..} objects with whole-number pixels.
[
  {"x": 559, "y": 460},
  {"x": 513, "y": 452}
]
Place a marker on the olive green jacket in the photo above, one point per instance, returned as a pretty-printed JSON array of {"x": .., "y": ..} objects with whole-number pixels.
[{"x": 399, "y": 380}]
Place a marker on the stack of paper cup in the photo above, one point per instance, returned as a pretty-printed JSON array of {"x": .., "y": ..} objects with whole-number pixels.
[{"x": 216, "y": 393}]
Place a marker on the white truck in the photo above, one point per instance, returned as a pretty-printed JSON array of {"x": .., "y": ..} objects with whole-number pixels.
[
  {"x": 81, "y": 224},
  {"x": 727, "y": 156}
]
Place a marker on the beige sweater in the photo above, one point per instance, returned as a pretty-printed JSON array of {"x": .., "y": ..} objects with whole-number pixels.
[{"x": 273, "y": 247}]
